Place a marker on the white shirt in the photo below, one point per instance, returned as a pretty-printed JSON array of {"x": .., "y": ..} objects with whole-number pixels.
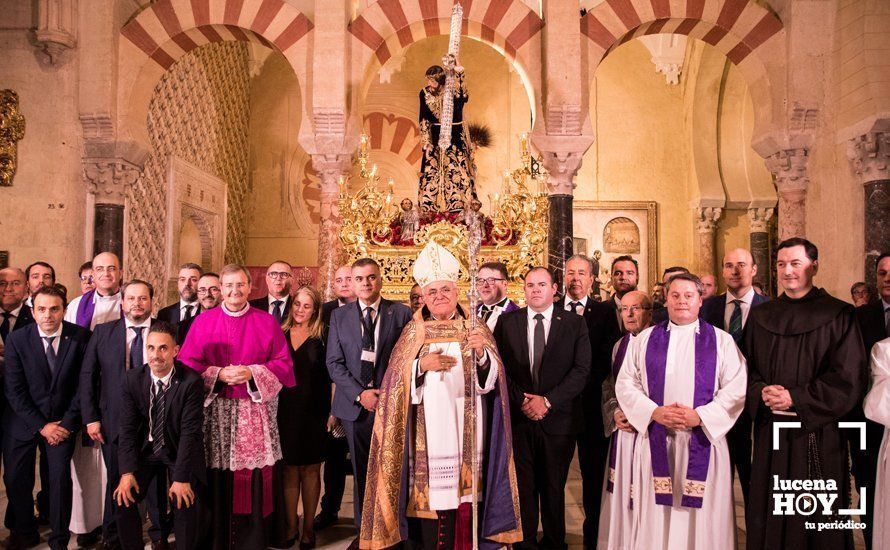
[
  {"x": 567, "y": 302},
  {"x": 151, "y": 394},
  {"x": 548, "y": 314},
  {"x": 57, "y": 335},
  {"x": 272, "y": 300},
  {"x": 182, "y": 305},
  {"x": 496, "y": 310},
  {"x": 745, "y": 305},
  {"x": 13, "y": 317},
  {"x": 131, "y": 335},
  {"x": 108, "y": 308}
]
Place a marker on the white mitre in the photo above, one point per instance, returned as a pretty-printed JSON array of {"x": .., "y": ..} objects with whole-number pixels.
[{"x": 435, "y": 263}]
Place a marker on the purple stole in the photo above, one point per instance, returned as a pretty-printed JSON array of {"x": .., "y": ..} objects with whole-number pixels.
[
  {"x": 85, "y": 309},
  {"x": 699, "y": 445},
  {"x": 613, "y": 444}
]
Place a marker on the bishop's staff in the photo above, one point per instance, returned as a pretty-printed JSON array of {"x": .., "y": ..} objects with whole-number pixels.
[{"x": 474, "y": 242}]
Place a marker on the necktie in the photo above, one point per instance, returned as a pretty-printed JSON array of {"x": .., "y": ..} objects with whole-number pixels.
[
  {"x": 277, "y": 312},
  {"x": 887, "y": 321},
  {"x": 158, "y": 416},
  {"x": 538, "y": 350},
  {"x": 136, "y": 360},
  {"x": 735, "y": 321},
  {"x": 486, "y": 312},
  {"x": 368, "y": 345},
  {"x": 188, "y": 313},
  {"x": 50, "y": 353},
  {"x": 4, "y": 326},
  {"x": 575, "y": 306}
]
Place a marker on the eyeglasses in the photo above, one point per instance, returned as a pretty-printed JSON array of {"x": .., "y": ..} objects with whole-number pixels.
[
  {"x": 447, "y": 291},
  {"x": 279, "y": 275},
  {"x": 211, "y": 290},
  {"x": 87, "y": 279},
  {"x": 489, "y": 281}
]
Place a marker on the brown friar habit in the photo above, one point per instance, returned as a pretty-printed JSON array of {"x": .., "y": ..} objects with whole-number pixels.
[{"x": 813, "y": 348}]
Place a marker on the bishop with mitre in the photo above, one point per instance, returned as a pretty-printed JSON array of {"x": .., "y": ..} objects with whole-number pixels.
[{"x": 420, "y": 466}]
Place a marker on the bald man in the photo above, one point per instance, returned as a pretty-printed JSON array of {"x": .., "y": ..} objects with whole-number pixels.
[{"x": 729, "y": 312}]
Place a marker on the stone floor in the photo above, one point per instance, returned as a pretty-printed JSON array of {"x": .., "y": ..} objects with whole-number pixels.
[{"x": 340, "y": 535}]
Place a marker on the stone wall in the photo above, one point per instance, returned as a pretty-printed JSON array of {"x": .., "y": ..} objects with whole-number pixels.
[{"x": 199, "y": 112}]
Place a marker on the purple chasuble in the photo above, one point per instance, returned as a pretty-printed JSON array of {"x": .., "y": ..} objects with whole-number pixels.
[
  {"x": 699, "y": 445},
  {"x": 85, "y": 309},
  {"x": 613, "y": 444}
]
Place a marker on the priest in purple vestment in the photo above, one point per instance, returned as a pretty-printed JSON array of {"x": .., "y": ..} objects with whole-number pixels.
[{"x": 244, "y": 360}]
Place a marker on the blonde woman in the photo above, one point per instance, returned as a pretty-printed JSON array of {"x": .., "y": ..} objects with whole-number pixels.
[{"x": 303, "y": 413}]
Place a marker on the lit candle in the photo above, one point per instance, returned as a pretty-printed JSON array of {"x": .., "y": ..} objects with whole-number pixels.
[
  {"x": 373, "y": 171},
  {"x": 391, "y": 184},
  {"x": 364, "y": 144},
  {"x": 523, "y": 143},
  {"x": 506, "y": 186}
]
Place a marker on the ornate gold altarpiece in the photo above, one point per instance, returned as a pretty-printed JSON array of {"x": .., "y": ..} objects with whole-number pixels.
[{"x": 515, "y": 232}]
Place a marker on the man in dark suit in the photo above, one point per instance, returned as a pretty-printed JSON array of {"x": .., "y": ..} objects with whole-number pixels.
[
  {"x": 336, "y": 464},
  {"x": 546, "y": 355},
  {"x": 188, "y": 306},
  {"x": 360, "y": 341},
  {"x": 14, "y": 314},
  {"x": 279, "y": 278},
  {"x": 161, "y": 436},
  {"x": 625, "y": 276},
  {"x": 602, "y": 329},
  {"x": 115, "y": 347},
  {"x": 492, "y": 284},
  {"x": 874, "y": 323},
  {"x": 43, "y": 362},
  {"x": 729, "y": 312},
  {"x": 209, "y": 296}
]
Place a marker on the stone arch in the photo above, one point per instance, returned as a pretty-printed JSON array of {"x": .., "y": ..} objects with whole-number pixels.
[
  {"x": 164, "y": 31},
  {"x": 750, "y": 35},
  {"x": 388, "y": 26},
  {"x": 205, "y": 233}
]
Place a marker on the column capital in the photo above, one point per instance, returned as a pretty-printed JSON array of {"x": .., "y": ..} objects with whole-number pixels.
[
  {"x": 789, "y": 166},
  {"x": 759, "y": 218},
  {"x": 869, "y": 155},
  {"x": 108, "y": 178},
  {"x": 562, "y": 156},
  {"x": 706, "y": 218}
]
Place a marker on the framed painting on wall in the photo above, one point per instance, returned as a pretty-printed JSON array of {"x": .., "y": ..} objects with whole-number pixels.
[{"x": 618, "y": 228}]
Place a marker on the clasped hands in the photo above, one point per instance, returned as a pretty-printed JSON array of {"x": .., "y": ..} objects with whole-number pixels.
[
  {"x": 534, "y": 406},
  {"x": 234, "y": 375},
  {"x": 776, "y": 397},
  {"x": 54, "y": 433},
  {"x": 676, "y": 417},
  {"x": 437, "y": 361}
]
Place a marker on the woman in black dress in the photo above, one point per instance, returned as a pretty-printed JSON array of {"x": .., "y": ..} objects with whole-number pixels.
[{"x": 303, "y": 414}]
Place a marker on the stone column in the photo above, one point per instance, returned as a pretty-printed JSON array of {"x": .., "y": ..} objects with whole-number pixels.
[
  {"x": 561, "y": 158},
  {"x": 330, "y": 249},
  {"x": 107, "y": 179},
  {"x": 706, "y": 227},
  {"x": 759, "y": 219},
  {"x": 870, "y": 157},
  {"x": 789, "y": 167}
]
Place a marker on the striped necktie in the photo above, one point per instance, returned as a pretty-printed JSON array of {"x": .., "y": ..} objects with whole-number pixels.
[
  {"x": 735, "y": 321},
  {"x": 158, "y": 417}
]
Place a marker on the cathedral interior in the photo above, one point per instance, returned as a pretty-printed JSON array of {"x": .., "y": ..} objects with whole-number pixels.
[{"x": 216, "y": 131}]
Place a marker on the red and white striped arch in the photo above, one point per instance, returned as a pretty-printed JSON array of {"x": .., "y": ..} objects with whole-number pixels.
[
  {"x": 740, "y": 29},
  {"x": 386, "y": 27},
  {"x": 168, "y": 29}
]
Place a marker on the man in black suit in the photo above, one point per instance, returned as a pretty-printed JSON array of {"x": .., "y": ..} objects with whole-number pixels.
[
  {"x": 14, "y": 314},
  {"x": 336, "y": 464},
  {"x": 729, "y": 312},
  {"x": 603, "y": 332},
  {"x": 360, "y": 341},
  {"x": 188, "y": 306},
  {"x": 43, "y": 362},
  {"x": 209, "y": 296},
  {"x": 546, "y": 355},
  {"x": 874, "y": 323},
  {"x": 625, "y": 276},
  {"x": 115, "y": 348},
  {"x": 279, "y": 278},
  {"x": 161, "y": 436}
]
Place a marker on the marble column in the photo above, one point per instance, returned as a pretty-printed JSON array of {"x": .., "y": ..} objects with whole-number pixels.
[
  {"x": 870, "y": 157},
  {"x": 759, "y": 220},
  {"x": 561, "y": 156},
  {"x": 706, "y": 218},
  {"x": 789, "y": 167},
  {"x": 107, "y": 180},
  {"x": 330, "y": 248}
]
